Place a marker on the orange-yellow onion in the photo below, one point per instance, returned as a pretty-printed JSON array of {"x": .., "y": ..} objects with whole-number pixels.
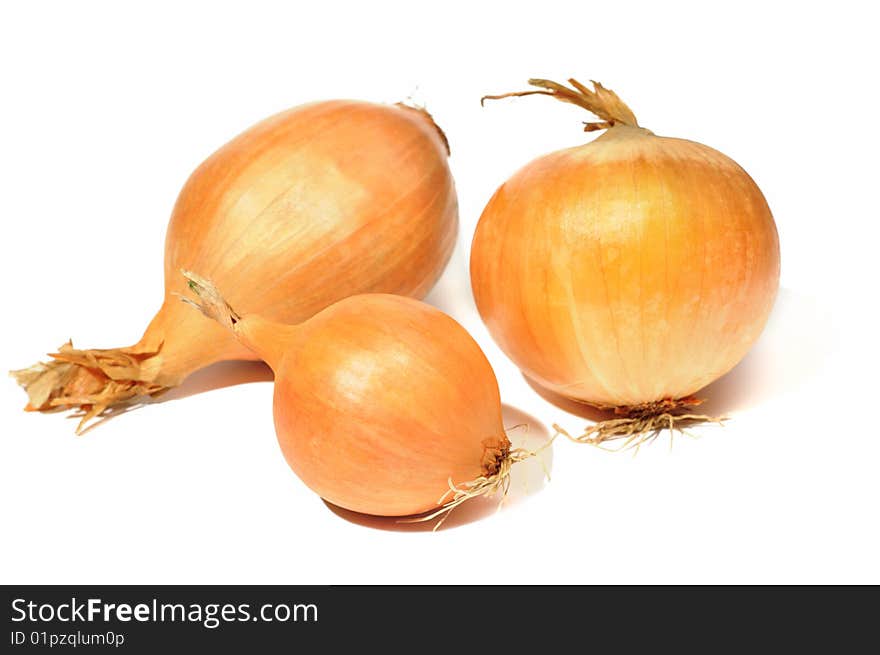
[
  {"x": 630, "y": 270},
  {"x": 314, "y": 204},
  {"x": 381, "y": 402}
]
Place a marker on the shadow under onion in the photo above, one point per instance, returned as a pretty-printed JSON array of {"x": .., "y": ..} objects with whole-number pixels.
[{"x": 219, "y": 376}]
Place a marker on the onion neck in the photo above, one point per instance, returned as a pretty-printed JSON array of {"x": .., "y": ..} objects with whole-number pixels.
[
  {"x": 177, "y": 342},
  {"x": 269, "y": 340},
  {"x": 621, "y": 131},
  {"x": 180, "y": 341}
]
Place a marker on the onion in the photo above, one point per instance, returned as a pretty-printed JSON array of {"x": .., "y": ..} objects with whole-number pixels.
[
  {"x": 627, "y": 273},
  {"x": 317, "y": 203},
  {"x": 383, "y": 404}
]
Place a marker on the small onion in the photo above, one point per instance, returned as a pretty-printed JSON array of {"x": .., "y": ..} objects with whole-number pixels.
[
  {"x": 627, "y": 273},
  {"x": 309, "y": 206},
  {"x": 383, "y": 404}
]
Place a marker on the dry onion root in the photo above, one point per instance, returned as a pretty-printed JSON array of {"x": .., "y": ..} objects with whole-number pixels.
[
  {"x": 637, "y": 425},
  {"x": 309, "y": 206},
  {"x": 627, "y": 273},
  {"x": 383, "y": 405}
]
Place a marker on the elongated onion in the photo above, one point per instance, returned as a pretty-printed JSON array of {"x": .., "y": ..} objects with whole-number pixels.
[
  {"x": 627, "y": 273},
  {"x": 383, "y": 404},
  {"x": 307, "y": 207}
]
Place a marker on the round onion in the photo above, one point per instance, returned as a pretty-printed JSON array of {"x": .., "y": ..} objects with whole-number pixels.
[
  {"x": 626, "y": 273},
  {"x": 370, "y": 406},
  {"x": 317, "y": 203}
]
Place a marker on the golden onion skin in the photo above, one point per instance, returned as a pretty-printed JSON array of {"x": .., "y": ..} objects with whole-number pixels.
[
  {"x": 632, "y": 269},
  {"x": 312, "y": 205},
  {"x": 380, "y": 402}
]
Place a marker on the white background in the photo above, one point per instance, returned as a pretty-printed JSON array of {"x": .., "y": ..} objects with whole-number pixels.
[{"x": 106, "y": 110}]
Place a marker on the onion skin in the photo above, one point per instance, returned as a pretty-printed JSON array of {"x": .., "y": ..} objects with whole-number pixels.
[
  {"x": 626, "y": 271},
  {"x": 334, "y": 222},
  {"x": 312, "y": 205},
  {"x": 380, "y": 401}
]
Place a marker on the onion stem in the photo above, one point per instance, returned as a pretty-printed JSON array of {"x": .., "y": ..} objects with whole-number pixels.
[{"x": 601, "y": 102}]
